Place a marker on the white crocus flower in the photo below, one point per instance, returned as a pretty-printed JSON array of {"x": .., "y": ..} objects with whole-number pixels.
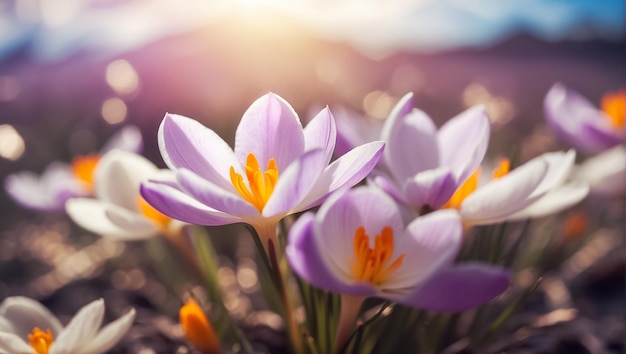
[
  {"x": 533, "y": 190},
  {"x": 605, "y": 173},
  {"x": 119, "y": 211},
  {"x": 27, "y": 327}
]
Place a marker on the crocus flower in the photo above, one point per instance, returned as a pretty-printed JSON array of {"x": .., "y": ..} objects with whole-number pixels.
[
  {"x": 534, "y": 189},
  {"x": 26, "y": 326},
  {"x": 60, "y": 181},
  {"x": 425, "y": 166},
  {"x": 579, "y": 123},
  {"x": 216, "y": 185},
  {"x": 197, "y": 328},
  {"x": 356, "y": 244},
  {"x": 118, "y": 210},
  {"x": 605, "y": 172}
]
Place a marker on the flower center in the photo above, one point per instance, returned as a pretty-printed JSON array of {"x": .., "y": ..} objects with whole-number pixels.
[
  {"x": 84, "y": 166},
  {"x": 260, "y": 184},
  {"x": 151, "y": 213},
  {"x": 469, "y": 186},
  {"x": 614, "y": 105},
  {"x": 41, "y": 341},
  {"x": 373, "y": 265},
  {"x": 197, "y": 328}
]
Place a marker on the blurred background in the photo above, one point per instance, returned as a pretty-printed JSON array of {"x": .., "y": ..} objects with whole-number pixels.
[{"x": 73, "y": 72}]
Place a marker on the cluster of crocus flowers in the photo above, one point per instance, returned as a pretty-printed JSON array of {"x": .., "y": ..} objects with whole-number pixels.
[
  {"x": 60, "y": 181},
  {"x": 425, "y": 169},
  {"x": 27, "y": 327},
  {"x": 276, "y": 168},
  {"x": 582, "y": 125},
  {"x": 357, "y": 245},
  {"x": 118, "y": 210}
]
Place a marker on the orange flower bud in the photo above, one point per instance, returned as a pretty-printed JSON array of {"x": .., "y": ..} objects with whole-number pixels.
[{"x": 197, "y": 328}]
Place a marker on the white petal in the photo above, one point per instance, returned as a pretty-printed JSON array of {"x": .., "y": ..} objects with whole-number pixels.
[
  {"x": 95, "y": 216},
  {"x": 81, "y": 329},
  {"x": 559, "y": 167},
  {"x": 504, "y": 196},
  {"x": 25, "y": 314},
  {"x": 119, "y": 175},
  {"x": 554, "y": 201},
  {"x": 605, "y": 173},
  {"x": 109, "y": 335},
  {"x": 12, "y": 344}
]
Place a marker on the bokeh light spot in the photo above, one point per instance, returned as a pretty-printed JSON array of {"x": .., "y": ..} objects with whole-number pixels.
[
  {"x": 114, "y": 110},
  {"x": 122, "y": 77},
  {"x": 11, "y": 143},
  {"x": 378, "y": 104}
]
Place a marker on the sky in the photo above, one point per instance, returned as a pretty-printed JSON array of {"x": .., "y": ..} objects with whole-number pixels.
[{"x": 51, "y": 30}]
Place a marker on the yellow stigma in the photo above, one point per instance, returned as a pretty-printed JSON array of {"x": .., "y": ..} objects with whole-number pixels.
[
  {"x": 197, "y": 328},
  {"x": 467, "y": 188},
  {"x": 260, "y": 184},
  {"x": 614, "y": 105},
  {"x": 41, "y": 341},
  {"x": 502, "y": 169},
  {"x": 84, "y": 166},
  {"x": 372, "y": 265},
  {"x": 151, "y": 213}
]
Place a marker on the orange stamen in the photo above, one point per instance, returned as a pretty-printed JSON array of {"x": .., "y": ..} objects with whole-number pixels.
[
  {"x": 197, "y": 328},
  {"x": 502, "y": 169},
  {"x": 40, "y": 341},
  {"x": 84, "y": 166},
  {"x": 372, "y": 265},
  {"x": 151, "y": 213},
  {"x": 467, "y": 188},
  {"x": 260, "y": 184},
  {"x": 614, "y": 105}
]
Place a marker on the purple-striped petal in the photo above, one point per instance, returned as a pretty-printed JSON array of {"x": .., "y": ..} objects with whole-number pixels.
[
  {"x": 270, "y": 128},
  {"x": 307, "y": 260},
  {"x": 411, "y": 146},
  {"x": 345, "y": 172},
  {"x": 432, "y": 188},
  {"x": 463, "y": 141},
  {"x": 321, "y": 133},
  {"x": 48, "y": 192},
  {"x": 339, "y": 218},
  {"x": 295, "y": 183},
  {"x": 185, "y": 143},
  {"x": 354, "y": 129},
  {"x": 460, "y": 287},
  {"x": 428, "y": 243},
  {"x": 577, "y": 122},
  {"x": 227, "y": 201},
  {"x": 178, "y": 205}
]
